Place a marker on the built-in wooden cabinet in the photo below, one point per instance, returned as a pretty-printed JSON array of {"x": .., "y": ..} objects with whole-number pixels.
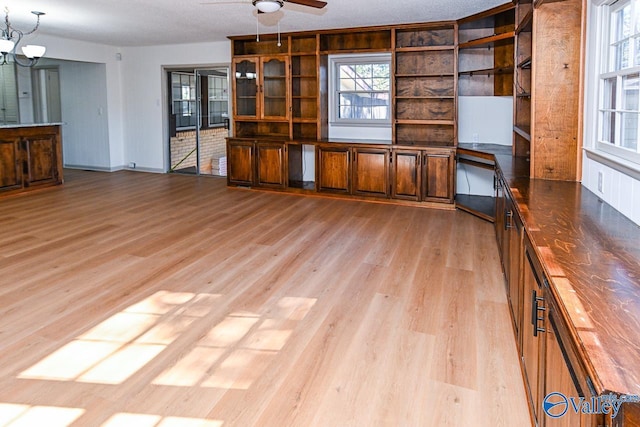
[
  {"x": 305, "y": 88},
  {"x": 271, "y": 164},
  {"x": 333, "y": 168},
  {"x": 423, "y": 174},
  {"x": 256, "y": 163},
  {"x": 425, "y": 85},
  {"x": 548, "y": 92},
  {"x": 533, "y": 326},
  {"x": 261, "y": 95},
  {"x": 240, "y": 162},
  {"x": 371, "y": 171},
  {"x": 522, "y": 79},
  {"x": 30, "y": 157},
  {"x": 406, "y": 174}
]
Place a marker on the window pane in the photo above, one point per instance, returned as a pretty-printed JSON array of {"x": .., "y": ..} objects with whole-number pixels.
[
  {"x": 630, "y": 85},
  {"x": 609, "y": 93},
  {"x": 608, "y": 127},
  {"x": 363, "y": 91},
  {"x": 629, "y": 138}
]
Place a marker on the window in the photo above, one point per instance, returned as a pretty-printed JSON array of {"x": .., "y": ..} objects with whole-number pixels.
[
  {"x": 360, "y": 89},
  {"x": 218, "y": 100},
  {"x": 619, "y": 91},
  {"x": 183, "y": 99}
]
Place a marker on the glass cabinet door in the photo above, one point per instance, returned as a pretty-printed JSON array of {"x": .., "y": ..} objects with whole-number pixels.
[
  {"x": 246, "y": 78},
  {"x": 274, "y": 75}
]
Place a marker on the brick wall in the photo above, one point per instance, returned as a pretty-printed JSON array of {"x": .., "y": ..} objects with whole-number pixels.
[{"x": 212, "y": 146}]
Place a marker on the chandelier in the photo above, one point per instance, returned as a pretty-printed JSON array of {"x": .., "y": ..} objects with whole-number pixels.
[{"x": 10, "y": 39}]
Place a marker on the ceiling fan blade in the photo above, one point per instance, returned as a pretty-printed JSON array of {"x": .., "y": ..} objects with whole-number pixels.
[{"x": 311, "y": 3}]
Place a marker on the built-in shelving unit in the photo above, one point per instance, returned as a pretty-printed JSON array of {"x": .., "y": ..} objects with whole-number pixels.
[
  {"x": 305, "y": 100},
  {"x": 485, "y": 52},
  {"x": 425, "y": 85},
  {"x": 522, "y": 80}
]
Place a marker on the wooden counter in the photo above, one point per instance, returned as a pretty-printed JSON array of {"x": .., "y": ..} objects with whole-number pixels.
[
  {"x": 30, "y": 157},
  {"x": 591, "y": 255}
]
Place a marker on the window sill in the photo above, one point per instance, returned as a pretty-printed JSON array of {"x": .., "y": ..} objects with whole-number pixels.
[{"x": 614, "y": 162}]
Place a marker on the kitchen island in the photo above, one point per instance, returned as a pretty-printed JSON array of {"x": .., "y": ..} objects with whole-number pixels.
[{"x": 30, "y": 157}]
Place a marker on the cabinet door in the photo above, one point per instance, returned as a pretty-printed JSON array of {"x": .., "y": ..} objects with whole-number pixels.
[
  {"x": 41, "y": 159},
  {"x": 271, "y": 164},
  {"x": 245, "y": 83},
  {"x": 333, "y": 165},
  {"x": 532, "y": 327},
  {"x": 438, "y": 176},
  {"x": 371, "y": 171},
  {"x": 406, "y": 174},
  {"x": 240, "y": 162},
  {"x": 274, "y": 87},
  {"x": 558, "y": 379},
  {"x": 516, "y": 231},
  {"x": 10, "y": 164}
]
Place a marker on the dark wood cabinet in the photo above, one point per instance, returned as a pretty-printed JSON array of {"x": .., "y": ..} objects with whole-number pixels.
[
  {"x": 240, "y": 162},
  {"x": 30, "y": 157},
  {"x": 256, "y": 163},
  {"x": 423, "y": 175},
  {"x": 514, "y": 267},
  {"x": 371, "y": 171},
  {"x": 270, "y": 164},
  {"x": 333, "y": 168},
  {"x": 261, "y": 95},
  {"x": 533, "y": 326},
  {"x": 10, "y": 164},
  {"x": 438, "y": 175},
  {"x": 406, "y": 174}
]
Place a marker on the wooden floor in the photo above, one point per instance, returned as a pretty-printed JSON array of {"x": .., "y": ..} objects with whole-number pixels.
[{"x": 132, "y": 299}]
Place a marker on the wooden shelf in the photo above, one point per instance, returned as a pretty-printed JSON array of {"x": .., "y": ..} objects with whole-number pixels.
[
  {"x": 487, "y": 71},
  {"x": 489, "y": 41},
  {"x": 425, "y": 97},
  {"x": 525, "y": 24},
  {"x": 525, "y": 63},
  {"x": 425, "y": 75},
  {"x": 426, "y": 122},
  {"x": 523, "y": 131},
  {"x": 423, "y": 48}
]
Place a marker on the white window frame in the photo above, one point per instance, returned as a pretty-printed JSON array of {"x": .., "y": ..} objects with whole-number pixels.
[
  {"x": 335, "y": 61},
  {"x": 603, "y": 64}
]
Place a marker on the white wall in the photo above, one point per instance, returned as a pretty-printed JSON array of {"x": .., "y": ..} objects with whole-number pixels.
[
  {"x": 144, "y": 91},
  {"x": 620, "y": 190},
  {"x": 134, "y": 88},
  {"x": 482, "y": 119},
  {"x": 485, "y": 119},
  {"x": 620, "y": 180}
]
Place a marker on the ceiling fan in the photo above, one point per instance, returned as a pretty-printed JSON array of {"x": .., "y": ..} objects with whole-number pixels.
[{"x": 270, "y": 6}]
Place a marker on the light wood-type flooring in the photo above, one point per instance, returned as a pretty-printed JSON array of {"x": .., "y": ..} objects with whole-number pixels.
[{"x": 133, "y": 299}]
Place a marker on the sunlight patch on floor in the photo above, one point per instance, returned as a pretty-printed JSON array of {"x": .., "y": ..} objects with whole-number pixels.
[
  {"x": 145, "y": 420},
  {"x": 117, "y": 348},
  {"x": 13, "y": 415}
]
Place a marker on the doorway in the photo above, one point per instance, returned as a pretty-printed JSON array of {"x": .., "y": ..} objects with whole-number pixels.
[
  {"x": 46, "y": 95},
  {"x": 198, "y": 120}
]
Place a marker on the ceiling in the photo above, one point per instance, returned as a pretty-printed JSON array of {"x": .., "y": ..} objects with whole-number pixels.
[{"x": 158, "y": 22}]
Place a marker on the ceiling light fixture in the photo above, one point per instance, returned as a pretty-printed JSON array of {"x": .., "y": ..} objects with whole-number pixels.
[
  {"x": 10, "y": 39},
  {"x": 268, "y": 6}
]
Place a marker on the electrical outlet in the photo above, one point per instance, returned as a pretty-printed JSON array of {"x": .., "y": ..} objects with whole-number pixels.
[
  {"x": 600, "y": 180},
  {"x": 132, "y": 165},
  {"x": 475, "y": 137}
]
